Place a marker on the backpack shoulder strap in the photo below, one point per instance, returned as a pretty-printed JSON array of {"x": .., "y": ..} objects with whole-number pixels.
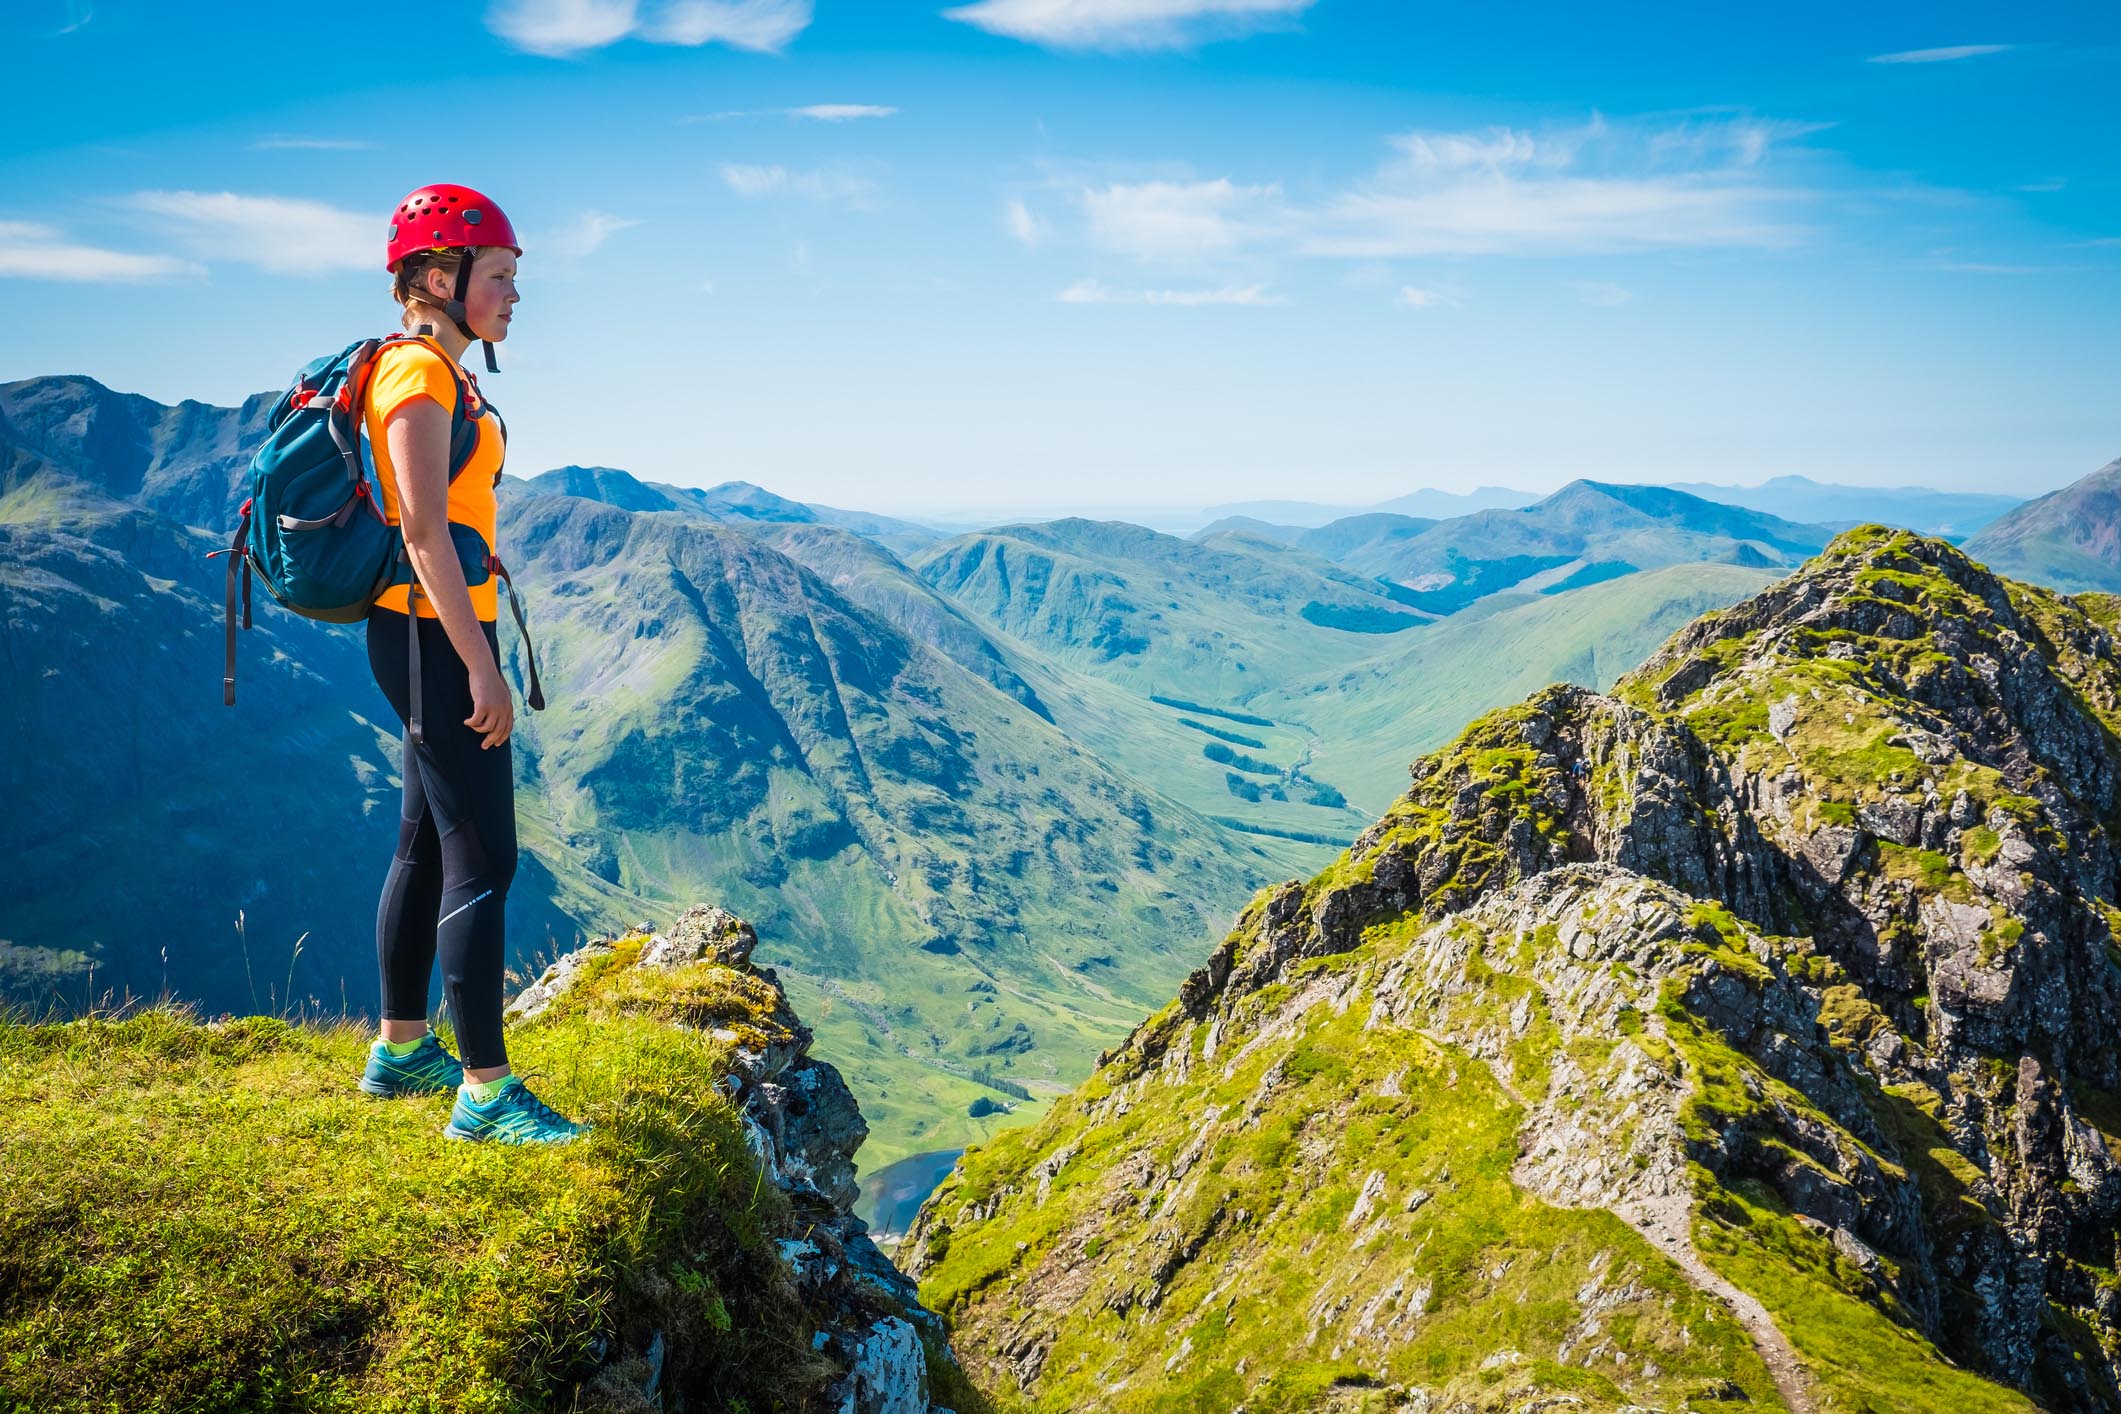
[{"x": 463, "y": 429}]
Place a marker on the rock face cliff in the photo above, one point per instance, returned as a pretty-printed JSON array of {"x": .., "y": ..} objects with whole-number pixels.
[
  {"x": 803, "y": 1127},
  {"x": 1745, "y": 1034}
]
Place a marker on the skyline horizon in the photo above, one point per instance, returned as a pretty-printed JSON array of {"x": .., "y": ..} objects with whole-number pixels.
[{"x": 1149, "y": 251}]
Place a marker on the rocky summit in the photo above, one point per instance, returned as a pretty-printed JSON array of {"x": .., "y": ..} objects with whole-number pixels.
[{"x": 1742, "y": 1038}]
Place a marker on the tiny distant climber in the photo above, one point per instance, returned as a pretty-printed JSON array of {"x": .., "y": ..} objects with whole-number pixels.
[{"x": 438, "y": 447}]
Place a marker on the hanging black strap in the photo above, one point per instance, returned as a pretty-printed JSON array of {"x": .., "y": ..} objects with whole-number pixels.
[
  {"x": 536, "y": 696},
  {"x": 416, "y": 723},
  {"x": 235, "y": 552},
  {"x": 455, "y": 307}
]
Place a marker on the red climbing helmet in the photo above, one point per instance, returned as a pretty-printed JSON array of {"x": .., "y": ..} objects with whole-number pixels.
[{"x": 446, "y": 214}]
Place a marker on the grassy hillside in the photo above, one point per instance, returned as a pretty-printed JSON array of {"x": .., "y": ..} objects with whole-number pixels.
[
  {"x": 954, "y": 885},
  {"x": 1372, "y": 716},
  {"x": 1160, "y": 614},
  {"x": 209, "y": 1215}
]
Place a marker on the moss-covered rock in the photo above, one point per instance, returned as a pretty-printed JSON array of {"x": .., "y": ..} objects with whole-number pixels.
[{"x": 207, "y": 1215}]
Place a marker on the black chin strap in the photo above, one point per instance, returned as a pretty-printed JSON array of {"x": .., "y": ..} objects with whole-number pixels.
[{"x": 454, "y": 308}]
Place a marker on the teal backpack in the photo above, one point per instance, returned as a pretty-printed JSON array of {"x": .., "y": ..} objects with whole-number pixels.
[{"x": 312, "y": 529}]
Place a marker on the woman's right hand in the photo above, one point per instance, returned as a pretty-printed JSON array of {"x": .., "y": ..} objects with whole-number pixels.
[{"x": 493, "y": 709}]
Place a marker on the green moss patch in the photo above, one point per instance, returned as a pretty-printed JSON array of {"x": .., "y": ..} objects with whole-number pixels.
[{"x": 213, "y": 1217}]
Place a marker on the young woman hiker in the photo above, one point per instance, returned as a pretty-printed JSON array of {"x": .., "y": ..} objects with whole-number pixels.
[{"x": 453, "y": 255}]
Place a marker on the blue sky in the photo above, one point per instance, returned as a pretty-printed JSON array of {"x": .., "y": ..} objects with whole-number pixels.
[{"x": 1041, "y": 255}]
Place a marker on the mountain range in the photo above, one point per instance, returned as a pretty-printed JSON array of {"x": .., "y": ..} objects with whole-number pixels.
[
  {"x": 1741, "y": 1036},
  {"x": 1583, "y": 534},
  {"x": 1951, "y": 514},
  {"x": 913, "y": 759}
]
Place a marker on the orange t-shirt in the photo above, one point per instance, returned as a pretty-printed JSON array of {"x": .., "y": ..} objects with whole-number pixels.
[{"x": 420, "y": 368}]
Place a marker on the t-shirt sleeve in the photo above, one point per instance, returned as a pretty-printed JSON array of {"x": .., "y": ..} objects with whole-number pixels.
[{"x": 406, "y": 372}]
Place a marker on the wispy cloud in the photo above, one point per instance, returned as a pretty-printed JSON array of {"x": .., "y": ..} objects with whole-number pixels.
[
  {"x": 1023, "y": 223},
  {"x": 1939, "y": 56},
  {"x": 754, "y": 180},
  {"x": 1178, "y": 221},
  {"x": 820, "y": 112},
  {"x": 1418, "y": 297},
  {"x": 559, "y": 28},
  {"x": 841, "y": 112},
  {"x": 2045, "y": 184},
  {"x": 286, "y": 235},
  {"x": 78, "y": 14},
  {"x": 1096, "y": 292},
  {"x": 30, "y": 251},
  {"x": 278, "y": 143},
  {"x": 1946, "y": 258},
  {"x": 1705, "y": 180},
  {"x": 1601, "y": 292},
  {"x": 1599, "y": 187},
  {"x": 1127, "y": 24},
  {"x": 589, "y": 231}
]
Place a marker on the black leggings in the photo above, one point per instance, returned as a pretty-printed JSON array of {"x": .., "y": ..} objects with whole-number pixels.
[{"x": 447, "y": 889}]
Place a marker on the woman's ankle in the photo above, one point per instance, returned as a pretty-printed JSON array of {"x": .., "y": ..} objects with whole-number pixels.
[{"x": 485, "y": 1074}]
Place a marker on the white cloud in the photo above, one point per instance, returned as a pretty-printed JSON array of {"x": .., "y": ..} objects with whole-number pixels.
[
  {"x": 286, "y": 235},
  {"x": 1601, "y": 292},
  {"x": 30, "y": 251},
  {"x": 841, "y": 112},
  {"x": 1706, "y": 180},
  {"x": 278, "y": 143},
  {"x": 1176, "y": 221},
  {"x": 589, "y": 231},
  {"x": 1024, "y": 224},
  {"x": 764, "y": 26},
  {"x": 1598, "y": 187},
  {"x": 754, "y": 180},
  {"x": 821, "y": 112},
  {"x": 1457, "y": 152},
  {"x": 1126, "y": 24},
  {"x": 1096, "y": 292},
  {"x": 1415, "y": 297},
  {"x": 1939, "y": 56},
  {"x": 558, "y": 28}
]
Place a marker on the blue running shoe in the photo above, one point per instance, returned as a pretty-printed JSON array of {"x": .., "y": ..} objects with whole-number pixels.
[
  {"x": 514, "y": 1116},
  {"x": 430, "y": 1070}
]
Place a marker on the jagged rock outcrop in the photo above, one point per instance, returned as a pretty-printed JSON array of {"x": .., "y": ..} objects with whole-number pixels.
[
  {"x": 804, "y": 1127},
  {"x": 1795, "y": 954}
]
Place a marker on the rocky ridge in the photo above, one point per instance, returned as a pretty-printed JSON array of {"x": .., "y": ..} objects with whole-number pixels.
[
  {"x": 1774, "y": 990},
  {"x": 803, "y": 1127}
]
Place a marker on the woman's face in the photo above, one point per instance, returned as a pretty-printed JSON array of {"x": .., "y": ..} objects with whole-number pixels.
[{"x": 492, "y": 296}]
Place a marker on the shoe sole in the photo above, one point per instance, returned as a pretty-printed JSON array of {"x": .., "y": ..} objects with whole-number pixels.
[
  {"x": 391, "y": 1092},
  {"x": 450, "y": 1131}
]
